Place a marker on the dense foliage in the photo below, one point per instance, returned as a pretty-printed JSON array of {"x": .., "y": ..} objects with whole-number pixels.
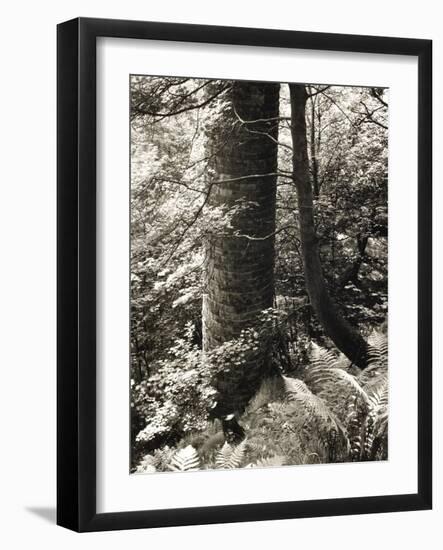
[{"x": 316, "y": 407}]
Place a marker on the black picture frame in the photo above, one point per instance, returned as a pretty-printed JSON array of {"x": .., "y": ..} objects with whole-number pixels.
[{"x": 76, "y": 266}]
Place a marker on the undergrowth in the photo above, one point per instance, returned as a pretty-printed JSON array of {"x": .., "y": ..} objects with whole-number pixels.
[{"x": 333, "y": 412}]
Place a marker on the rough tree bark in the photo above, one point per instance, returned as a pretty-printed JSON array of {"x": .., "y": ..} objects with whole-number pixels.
[
  {"x": 346, "y": 338},
  {"x": 239, "y": 270}
]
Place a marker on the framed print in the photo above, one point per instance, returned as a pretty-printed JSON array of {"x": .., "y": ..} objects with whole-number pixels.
[{"x": 244, "y": 274}]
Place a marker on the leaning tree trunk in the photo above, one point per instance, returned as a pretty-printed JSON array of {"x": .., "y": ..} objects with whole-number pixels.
[
  {"x": 239, "y": 273},
  {"x": 346, "y": 338}
]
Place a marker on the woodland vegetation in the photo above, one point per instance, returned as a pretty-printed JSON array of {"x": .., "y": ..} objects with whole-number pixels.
[{"x": 258, "y": 274}]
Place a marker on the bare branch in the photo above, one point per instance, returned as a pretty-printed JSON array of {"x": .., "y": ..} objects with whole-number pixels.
[{"x": 160, "y": 116}]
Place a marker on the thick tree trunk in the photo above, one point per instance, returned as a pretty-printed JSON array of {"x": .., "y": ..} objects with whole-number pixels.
[
  {"x": 239, "y": 274},
  {"x": 346, "y": 338}
]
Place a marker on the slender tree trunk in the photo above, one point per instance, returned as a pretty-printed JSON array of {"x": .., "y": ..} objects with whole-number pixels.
[
  {"x": 239, "y": 274},
  {"x": 345, "y": 337},
  {"x": 314, "y": 152}
]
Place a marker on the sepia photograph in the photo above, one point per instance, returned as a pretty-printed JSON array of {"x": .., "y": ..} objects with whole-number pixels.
[{"x": 259, "y": 274}]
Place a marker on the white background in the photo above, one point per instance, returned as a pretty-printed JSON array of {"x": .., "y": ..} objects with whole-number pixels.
[{"x": 27, "y": 300}]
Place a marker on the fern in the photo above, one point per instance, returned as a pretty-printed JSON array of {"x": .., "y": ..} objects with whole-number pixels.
[
  {"x": 321, "y": 357},
  {"x": 369, "y": 428},
  {"x": 185, "y": 460},
  {"x": 378, "y": 358},
  {"x": 313, "y": 407},
  {"x": 378, "y": 391},
  {"x": 378, "y": 349},
  {"x": 333, "y": 414},
  {"x": 380, "y": 401},
  {"x": 356, "y": 426},
  {"x": 346, "y": 407},
  {"x": 230, "y": 457},
  {"x": 335, "y": 384}
]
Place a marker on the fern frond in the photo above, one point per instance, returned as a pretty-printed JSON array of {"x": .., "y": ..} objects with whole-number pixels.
[
  {"x": 356, "y": 422},
  {"x": 381, "y": 427},
  {"x": 335, "y": 384},
  {"x": 370, "y": 373},
  {"x": 378, "y": 349},
  {"x": 223, "y": 455},
  {"x": 379, "y": 341},
  {"x": 365, "y": 426},
  {"x": 377, "y": 362},
  {"x": 185, "y": 460},
  {"x": 294, "y": 386},
  {"x": 369, "y": 434},
  {"x": 312, "y": 406},
  {"x": 321, "y": 357},
  {"x": 230, "y": 457},
  {"x": 380, "y": 401},
  {"x": 378, "y": 391}
]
